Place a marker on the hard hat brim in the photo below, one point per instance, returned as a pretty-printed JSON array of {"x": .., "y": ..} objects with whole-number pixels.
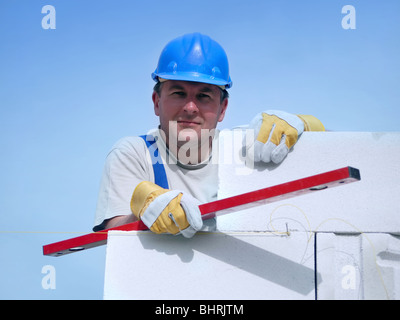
[{"x": 193, "y": 77}]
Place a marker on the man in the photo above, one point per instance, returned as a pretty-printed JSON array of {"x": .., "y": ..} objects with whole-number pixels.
[{"x": 162, "y": 177}]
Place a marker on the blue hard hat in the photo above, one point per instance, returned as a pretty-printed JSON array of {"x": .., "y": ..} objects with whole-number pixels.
[{"x": 194, "y": 57}]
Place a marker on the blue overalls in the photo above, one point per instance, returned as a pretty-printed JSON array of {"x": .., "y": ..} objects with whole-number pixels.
[{"x": 160, "y": 177}]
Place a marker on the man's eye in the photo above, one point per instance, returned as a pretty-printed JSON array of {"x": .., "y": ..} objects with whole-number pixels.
[
  {"x": 178, "y": 93},
  {"x": 203, "y": 96}
]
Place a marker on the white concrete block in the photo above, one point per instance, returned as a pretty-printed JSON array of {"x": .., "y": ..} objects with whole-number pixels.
[
  {"x": 382, "y": 266},
  {"x": 370, "y": 205},
  {"x": 340, "y": 266},
  {"x": 143, "y": 265},
  {"x": 358, "y": 266},
  {"x": 268, "y": 252}
]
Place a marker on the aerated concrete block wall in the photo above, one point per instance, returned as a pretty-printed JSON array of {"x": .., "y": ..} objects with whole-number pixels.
[{"x": 337, "y": 243}]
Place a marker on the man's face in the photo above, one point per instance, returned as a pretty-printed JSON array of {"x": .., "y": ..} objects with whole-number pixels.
[{"x": 192, "y": 105}]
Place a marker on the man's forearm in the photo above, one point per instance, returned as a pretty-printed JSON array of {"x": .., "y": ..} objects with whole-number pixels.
[{"x": 120, "y": 220}]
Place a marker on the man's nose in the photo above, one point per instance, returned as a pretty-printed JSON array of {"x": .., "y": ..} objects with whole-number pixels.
[{"x": 191, "y": 107}]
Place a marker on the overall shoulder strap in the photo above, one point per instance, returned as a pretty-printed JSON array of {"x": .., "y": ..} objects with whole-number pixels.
[{"x": 160, "y": 176}]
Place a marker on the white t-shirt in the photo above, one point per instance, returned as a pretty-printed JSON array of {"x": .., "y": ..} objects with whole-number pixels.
[{"x": 129, "y": 163}]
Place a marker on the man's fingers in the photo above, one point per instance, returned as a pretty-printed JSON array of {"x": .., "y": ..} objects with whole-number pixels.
[{"x": 280, "y": 152}]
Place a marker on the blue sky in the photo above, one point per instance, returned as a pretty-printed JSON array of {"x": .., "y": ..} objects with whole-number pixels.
[{"x": 66, "y": 95}]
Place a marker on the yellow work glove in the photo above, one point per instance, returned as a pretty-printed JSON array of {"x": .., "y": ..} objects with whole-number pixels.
[
  {"x": 166, "y": 211},
  {"x": 274, "y": 132},
  {"x": 311, "y": 123}
]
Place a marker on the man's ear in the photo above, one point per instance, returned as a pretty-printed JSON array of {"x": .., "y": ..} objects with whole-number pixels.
[
  {"x": 224, "y": 106},
  {"x": 156, "y": 99}
]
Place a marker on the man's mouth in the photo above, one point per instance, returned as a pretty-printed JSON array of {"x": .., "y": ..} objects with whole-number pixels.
[{"x": 188, "y": 123}]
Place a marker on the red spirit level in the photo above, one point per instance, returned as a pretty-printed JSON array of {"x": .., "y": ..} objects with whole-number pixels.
[{"x": 220, "y": 207}]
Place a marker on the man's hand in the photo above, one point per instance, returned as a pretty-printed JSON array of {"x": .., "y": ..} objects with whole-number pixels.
[
  {"x": 166, "y": 211},
  {"x": 275, "y": 132}
]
